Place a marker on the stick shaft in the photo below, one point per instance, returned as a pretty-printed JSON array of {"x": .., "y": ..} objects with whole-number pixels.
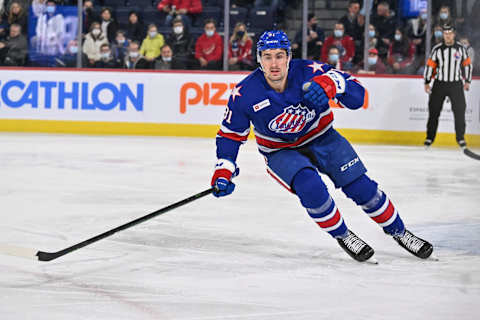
[{"x": 48, "y": 256}]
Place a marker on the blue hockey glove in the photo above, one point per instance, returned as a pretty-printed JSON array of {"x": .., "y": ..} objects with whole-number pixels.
[
  {"x": 323, "y": 88},
  {"x": 315, "y": 94},
  {"x": 225, "y": 171}
]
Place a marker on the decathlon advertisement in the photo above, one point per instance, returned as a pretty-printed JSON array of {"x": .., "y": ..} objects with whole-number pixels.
[{"x": 198, "y": 99}]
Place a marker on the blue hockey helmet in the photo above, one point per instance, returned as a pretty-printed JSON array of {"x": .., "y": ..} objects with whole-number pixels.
[{"x": 273, "y": 39}]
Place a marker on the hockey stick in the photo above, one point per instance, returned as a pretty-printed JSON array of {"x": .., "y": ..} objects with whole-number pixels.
[
  {"x": 471, "y": 154},
  {"x": 48, "y": 256}
]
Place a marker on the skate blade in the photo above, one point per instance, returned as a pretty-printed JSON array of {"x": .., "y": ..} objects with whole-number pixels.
[
  {"x": 372, "y": 260},
  {"x": 433, "y": 257}
]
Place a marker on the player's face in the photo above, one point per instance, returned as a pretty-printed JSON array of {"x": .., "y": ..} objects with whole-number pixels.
[{"x": 274, "y": 64}]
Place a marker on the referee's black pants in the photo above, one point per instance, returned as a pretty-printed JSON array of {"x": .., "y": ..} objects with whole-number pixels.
[{"x": 440, "y": 90}]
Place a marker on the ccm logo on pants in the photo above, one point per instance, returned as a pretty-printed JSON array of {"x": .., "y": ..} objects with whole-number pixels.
[{"x": 349, "y": 164}]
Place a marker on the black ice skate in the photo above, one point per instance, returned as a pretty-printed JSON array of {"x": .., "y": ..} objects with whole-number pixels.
[
  {"x": 355, "y": 247},
  {"x": 415, "y": 245}
]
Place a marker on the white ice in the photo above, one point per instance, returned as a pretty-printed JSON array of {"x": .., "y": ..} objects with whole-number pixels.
[{"x": 253, "y": 255}]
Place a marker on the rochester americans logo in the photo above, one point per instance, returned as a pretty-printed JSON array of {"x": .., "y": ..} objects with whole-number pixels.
[{"x": 292, "y": 120}]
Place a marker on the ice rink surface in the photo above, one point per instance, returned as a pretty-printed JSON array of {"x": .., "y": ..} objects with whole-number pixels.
[{"x": 253, "y": 255}]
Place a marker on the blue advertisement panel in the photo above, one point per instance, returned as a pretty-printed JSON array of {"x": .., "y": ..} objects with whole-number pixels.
[
  {"x": 50, "y": 31},
  {"x": 412, "y": 8}
]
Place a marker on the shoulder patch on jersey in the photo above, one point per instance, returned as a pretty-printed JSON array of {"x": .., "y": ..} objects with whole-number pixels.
[
  {"x": 236, "y": 92},
  {"x": 262, "y": 104},
  {"x": 316, "y": 67}
]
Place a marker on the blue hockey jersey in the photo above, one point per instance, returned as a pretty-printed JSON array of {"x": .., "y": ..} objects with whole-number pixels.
[{"x": 280, "y": 119}]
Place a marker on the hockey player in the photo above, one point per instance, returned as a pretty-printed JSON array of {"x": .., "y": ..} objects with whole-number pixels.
[{"x": 287, "y": 102}]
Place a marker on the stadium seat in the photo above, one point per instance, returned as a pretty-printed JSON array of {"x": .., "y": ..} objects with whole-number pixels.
[
  {"x": 238, "y": 15},
  {"x": 261, "y": 18},
  {"x": 140, "y": 3},
  {"x": 114, "y": 3},
  {"x": 152, "y": 15},
  {"x": 209, "y": 12}
]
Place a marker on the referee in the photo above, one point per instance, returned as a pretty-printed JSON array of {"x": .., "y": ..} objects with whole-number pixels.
[{"x": 451, "y": 68}]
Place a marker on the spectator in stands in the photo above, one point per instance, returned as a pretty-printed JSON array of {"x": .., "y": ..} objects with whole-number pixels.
[
  {"x": 209, "y": 47},
  {"x": 437, "y": 34},
  {"x": 350, "y": 21},
  {"x": 120, "y": 47},
  {"x": 13, "y": 52},
  {"x": 470, "y": 50},
  {"x": 240, "y": 49},
  {"x": 372, "y": 44},
  {"x": 3, "y": 28},
  {"x": 109, "y": 25},
  {"x": 401, "y": 54},
  {"x": 166, "y": 60},
  {"x": 69, "y": 58},
  {"x": 444, "y": 16},
  {"x": 333, "y": 58},
  {"x": 181, "y": 43},
  {"x": 88, "y": 15},
  {"x": 50, "y": 29},
  {"x": 374, "y": 64},
  {"x": 135, "y": 27},
  {"x": 315, "y": 38},
  {"x": 134, "y": 60},
  {"x": 151, "y": 45},
  {"x": 107, "y": 60},
  {"x": 187, "y": 10},
  {"x": 385, "y": 25},
  {"x": 18, "y": 15},
  {"x": 343, "y": 42},
  {"x": 92, "y": 43},
  {"x": 417, "y": 32}
]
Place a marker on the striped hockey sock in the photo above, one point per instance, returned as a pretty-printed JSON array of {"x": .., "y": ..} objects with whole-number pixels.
[
  {"x": 383, "y": 212},
  {"x": 328, "y": 217}
]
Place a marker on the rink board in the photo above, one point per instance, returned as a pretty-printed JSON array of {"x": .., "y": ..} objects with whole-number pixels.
[{"x": 192, "y": 104}]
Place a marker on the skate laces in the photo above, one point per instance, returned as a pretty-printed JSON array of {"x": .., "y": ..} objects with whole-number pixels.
[
  {"x": 353, "y": 243},
  {"x": 412, "y": 242}
]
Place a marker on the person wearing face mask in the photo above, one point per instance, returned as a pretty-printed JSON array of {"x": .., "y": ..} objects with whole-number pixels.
[
  {"x": 92, "y": 43},
  {"x": 69, "y": 58},
  {"x": 444, "y": 16},
  {"x": 334, "y": 58},
  {"x": 240, "y": 49},
  {"x": 374, "y": 64},
  {"x": 209, "y": 47},
  {"x": 107, "y": 60},
  {"x": 133, "y": 59},
  {"x": 470, "y": 51},
  {"x": 151, "y": 45},
  {"x": 166, "y": 60},
  {"x": 401, "y": 54},
  {"x": 437, "y": 35},
  {"x": 120, "y": 46},
  {"x": 343, "y": 42},
  {"x": 181, "y": 43},
  {"x": 48, "y": 42}
]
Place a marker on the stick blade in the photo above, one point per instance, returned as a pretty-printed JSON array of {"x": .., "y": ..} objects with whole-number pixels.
[
  {"x": 18, "y": 251},
  {"x": 471, "y": 154}
]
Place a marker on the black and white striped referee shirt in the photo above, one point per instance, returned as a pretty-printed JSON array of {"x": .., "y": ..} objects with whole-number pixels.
[{"x": 448, "y": 64}]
